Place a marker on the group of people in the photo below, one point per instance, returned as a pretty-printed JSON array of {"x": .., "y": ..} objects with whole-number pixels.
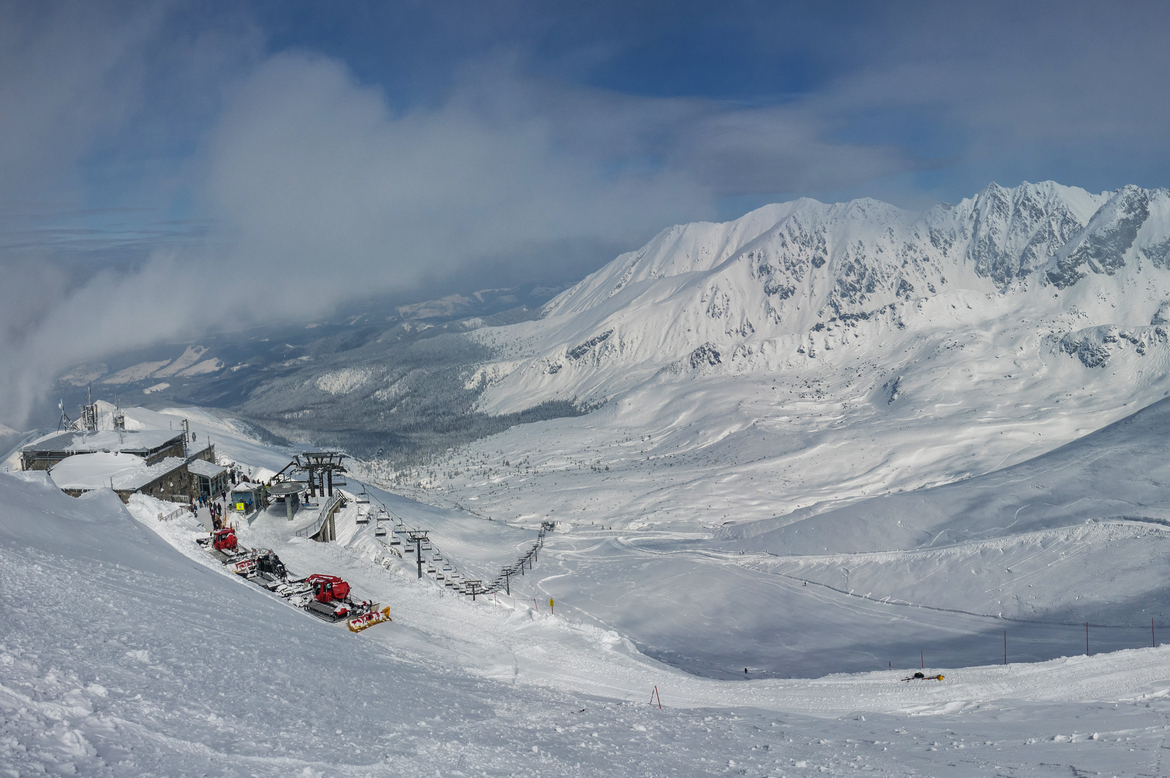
[
  {"x": 217, "y": 511},
  {"x": 216, "y": 505}
]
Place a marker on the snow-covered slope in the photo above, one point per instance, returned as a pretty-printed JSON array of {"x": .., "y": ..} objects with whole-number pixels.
[
  {"x": 125, "y": 655},
  {"x": 809, "y": 353},
  {"x": 1118, "y": 473},
  {"x": 711, "y": 489}
]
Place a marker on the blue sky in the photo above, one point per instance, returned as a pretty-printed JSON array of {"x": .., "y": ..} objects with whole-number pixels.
[{"x": 416, "y": 148}]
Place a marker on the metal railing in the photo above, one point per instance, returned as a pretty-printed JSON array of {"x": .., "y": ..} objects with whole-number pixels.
[
  {"x": 176, "y": 513},
  {"x": 327, "y": 511}
]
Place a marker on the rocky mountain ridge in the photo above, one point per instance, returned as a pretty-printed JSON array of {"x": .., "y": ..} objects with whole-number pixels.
[{"x": 806, "y": 279}]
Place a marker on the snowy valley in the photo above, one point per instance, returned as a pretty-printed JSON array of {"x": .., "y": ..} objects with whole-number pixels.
[
  {"x": 790, "y": 459},
  {"x": 146, "y": 656}
]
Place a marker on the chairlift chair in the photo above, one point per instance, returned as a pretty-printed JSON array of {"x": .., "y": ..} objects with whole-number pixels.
[
  {"x": 362, "y": 518},
  {"x": 380, "y": 531}
]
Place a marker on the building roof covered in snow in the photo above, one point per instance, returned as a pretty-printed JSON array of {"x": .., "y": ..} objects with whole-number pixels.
[
  {"x": 152, "y": 473},
  {"x": 140, "y": 442},
  {"x": 99, "y": 470},
  {"x": 204, "y": 468}
]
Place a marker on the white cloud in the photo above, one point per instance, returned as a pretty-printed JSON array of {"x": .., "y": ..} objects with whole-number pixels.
[{"x": 317, "y": 177}]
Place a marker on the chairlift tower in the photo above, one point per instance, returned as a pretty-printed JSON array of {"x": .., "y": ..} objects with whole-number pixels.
[
  {"x": 417, "y": 537},
  {"x": 321, "y": 466}
]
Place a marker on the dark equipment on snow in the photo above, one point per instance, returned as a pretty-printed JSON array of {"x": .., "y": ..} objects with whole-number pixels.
[{"x": 270, "y": 572}]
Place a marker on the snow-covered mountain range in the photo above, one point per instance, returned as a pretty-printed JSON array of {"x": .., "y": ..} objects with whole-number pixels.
[
  {"x": 805, "y": 281},
  {"x": 809, "y": 354},
  {"x": 759, "y": 383},
  {"x": 818, "y": 439}
]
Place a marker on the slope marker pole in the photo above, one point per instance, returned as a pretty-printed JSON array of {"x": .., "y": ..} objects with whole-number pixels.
[{"x": 1086, "y": 638}]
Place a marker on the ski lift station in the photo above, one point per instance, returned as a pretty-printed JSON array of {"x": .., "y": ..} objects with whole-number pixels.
[
  {"x": 212, "y": 478},
  {"x": 150, "y": 445},
  {"x": 166, "y": 479},
  {"x": 158, "y": 463},
  {"x": 247, "y": 497}
]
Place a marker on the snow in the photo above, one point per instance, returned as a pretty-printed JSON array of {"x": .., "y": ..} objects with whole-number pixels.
[
  {"x": 204, "y": 468},
  {"x": 203, "y": 368},
  {"x": 146, "y": 656},
  {"x": 141, "y": 440},
  {"x": 139, "y": 372},
  {"x": 961, "y": 467},
  {"x": 232, "y": 439},
  {"x": 344, "y": 381},
  {"x": 695, "y": 503},
  {"x": 188, "y": 358},
  {"x": 94, "y": 471}
]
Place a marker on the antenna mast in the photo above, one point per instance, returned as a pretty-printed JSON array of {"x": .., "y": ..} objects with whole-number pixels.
[
  {"x": 89, "y": 412},
  {"x": 66, "y": 423}
]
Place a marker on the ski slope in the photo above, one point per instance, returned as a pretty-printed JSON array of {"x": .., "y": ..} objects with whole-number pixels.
[{"x": 126, "y": 656}]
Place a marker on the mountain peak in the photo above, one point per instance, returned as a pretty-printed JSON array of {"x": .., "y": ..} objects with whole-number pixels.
[{"x": 799, "y": 276}]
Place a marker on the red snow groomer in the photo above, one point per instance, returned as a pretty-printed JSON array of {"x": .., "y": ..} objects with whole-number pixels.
[
  {"x": 223, "y": 545},
  {"x": 331, "y": 600},
  {"x": 224, "y": 540}
]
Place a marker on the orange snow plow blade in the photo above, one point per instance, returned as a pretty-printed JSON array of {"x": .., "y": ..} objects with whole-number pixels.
[{"x": 365, "y": 621}]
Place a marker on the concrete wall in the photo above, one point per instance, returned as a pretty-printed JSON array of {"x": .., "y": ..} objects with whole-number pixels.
[{"x": 176, "y": 451}]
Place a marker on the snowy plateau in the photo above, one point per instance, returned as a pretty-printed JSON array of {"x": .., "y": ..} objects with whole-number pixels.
[{"x": 813, "y": 451}]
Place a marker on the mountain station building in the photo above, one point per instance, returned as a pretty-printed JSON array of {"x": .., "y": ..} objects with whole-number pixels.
[{"x": 151, "y": 445}]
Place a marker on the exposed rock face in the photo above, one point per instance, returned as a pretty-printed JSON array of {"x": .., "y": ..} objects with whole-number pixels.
[
  {"x": 1104, "y": 244},
  {"x": 1015, "y": 231},
  {"x": 1094, "y": 346}
]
